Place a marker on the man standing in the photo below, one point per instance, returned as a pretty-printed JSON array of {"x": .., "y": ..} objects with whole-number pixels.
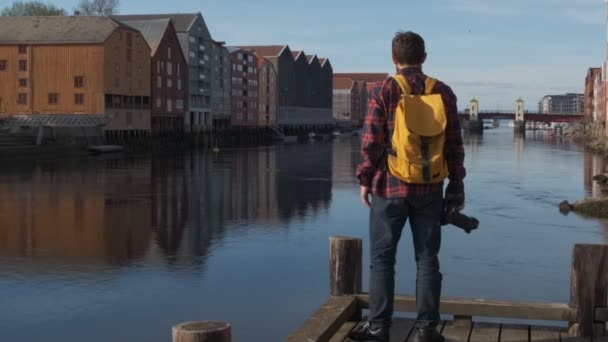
[{"x": 394, "y": 200}]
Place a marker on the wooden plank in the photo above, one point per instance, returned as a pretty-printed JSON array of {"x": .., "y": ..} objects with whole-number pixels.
[
  {"x": 326, "y": 321},
  {"x": 514, "y": 333},
  {"x": 456, "y": 331},
  {"x": 401, "y": 329},
  {"x": 588, "y": 288},
  {"x": 538, "y": 334},
  {"x": 489, "y": 308},
  {"x": 485, "y": 332},
  {"x": 343, "y": 332}
]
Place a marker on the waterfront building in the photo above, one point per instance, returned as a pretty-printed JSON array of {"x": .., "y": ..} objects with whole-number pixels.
[
  {"x": 346, "y": 101},
  {"x": 244, "y": 71},
  {"x": 221, "y": 94},
  {"x": 314, "y": 77},
  {"x": 295, "y": 79},
  {"x": 70, "y": 71},
  {"x": 200, "y": 51},
  {"x": 267, "y": 93},
  {"x": 570, "y": 103},
  {"x": 169, "y": 73},
  {"x": 592, "y": 94}
]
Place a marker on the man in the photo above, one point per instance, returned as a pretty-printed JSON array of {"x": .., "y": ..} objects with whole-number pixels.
[{"x": 393, "y": 200}]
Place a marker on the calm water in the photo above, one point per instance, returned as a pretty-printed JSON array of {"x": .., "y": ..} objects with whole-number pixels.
[{"x": 122, "y": 249}]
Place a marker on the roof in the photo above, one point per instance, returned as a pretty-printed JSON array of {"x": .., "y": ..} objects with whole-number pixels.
[
  {"x": 152, "y": 30},
  {"x": 324, "y": 62},
  {"x": 181, "y": 21},
  {"x": 267, "y": 50},
  {"x": 341, "y": 83},
  {"x": 368, "y": 77},
  {"x": 57, "y": 29},
  {"x": 296, "y": 54},
  {"x": 261, "y": 60},
  {"x": 310, "y": 58}
]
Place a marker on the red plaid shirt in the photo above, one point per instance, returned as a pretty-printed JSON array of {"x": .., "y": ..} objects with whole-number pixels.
[{"x": 378, "y": 130}]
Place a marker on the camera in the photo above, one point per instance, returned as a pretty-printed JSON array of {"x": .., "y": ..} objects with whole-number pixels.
[{"x": 460, "y": 220}]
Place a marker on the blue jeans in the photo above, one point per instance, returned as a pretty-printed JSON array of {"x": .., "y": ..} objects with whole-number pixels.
[{"x": 387, "y": 219}]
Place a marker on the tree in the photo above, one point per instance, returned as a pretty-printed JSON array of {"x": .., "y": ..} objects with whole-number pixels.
[
  {"x": 31, "y": 8},
  {"x": 97, "y": 7}
]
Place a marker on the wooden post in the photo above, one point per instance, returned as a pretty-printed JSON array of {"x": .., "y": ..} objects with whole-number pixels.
[
  {"x": 345, "y": 265},
  {"x": 588, "y": 289},
  {"x": 206, "y": 331}
]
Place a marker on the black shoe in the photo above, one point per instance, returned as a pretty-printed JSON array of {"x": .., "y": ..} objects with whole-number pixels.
[
  {"x": 364, "y": 333},
  {"x": 424, "y": 335}
]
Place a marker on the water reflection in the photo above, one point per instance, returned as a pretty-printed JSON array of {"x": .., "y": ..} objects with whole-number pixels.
[{"x": 115, "y": 211}]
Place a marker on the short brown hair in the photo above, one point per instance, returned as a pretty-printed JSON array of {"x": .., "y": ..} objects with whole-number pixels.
[{"x": 408, "y": 48}]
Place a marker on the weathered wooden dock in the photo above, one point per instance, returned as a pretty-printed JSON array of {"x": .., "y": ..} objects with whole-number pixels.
[{"x": 585, "y": 315}]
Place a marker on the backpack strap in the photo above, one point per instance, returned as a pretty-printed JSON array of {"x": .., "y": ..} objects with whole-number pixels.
[
  {"x": 405, "y": 86},
  {"x": 429, "y": 84}
]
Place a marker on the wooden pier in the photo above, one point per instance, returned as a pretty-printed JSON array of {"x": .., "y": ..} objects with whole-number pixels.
[{"x": 585, "y": 315}]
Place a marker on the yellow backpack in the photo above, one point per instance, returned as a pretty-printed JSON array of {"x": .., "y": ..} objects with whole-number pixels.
[{"x": 417, "y": 153}]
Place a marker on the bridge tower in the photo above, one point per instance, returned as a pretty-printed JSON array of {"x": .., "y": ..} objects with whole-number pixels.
[
  {"x": 474, "y": 125},
  {"x": 520, "y": 123}
]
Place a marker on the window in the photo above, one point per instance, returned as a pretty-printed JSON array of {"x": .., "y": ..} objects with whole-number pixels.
[
  {"x": 117, "y": 68},
  {"x": 129, "y": 39},
  {"x": 240, "y": 68},
  {"x": 159, "y": 103},
  {"x": 169, "y": 52},
  {"x": 179, "y": 104},
  {"x": 22, "y": 49},
  {"x": 169, "y": 83},
  {"x": 169, "y": 105},
  {"x": 2, "y": 64},
  {"x": 179, "y": 84},
  {"x": 22, "y": 65},
  {"x": 169, "y": 68},
  {"x": 79, "y": 99},
  {"x": 53, "y": 98},
  {"x": 79, "y": 82},
  {"x": 192, "y": 39},
  {"x": 192, "y": 54},
  {"x": 117, "y": 82},
  {"x": 158, "y": 67},
  {"x": 159, "y": 82},
  {"x": 23, "y": 82},
  {"x": 116, "y": 51},
  {"x": 129, "y": 56},
  {"x": 178, "y": 68},
  {"x": 129, "y": 118},
  {"x": 22, "y": 99},
  {"x": 240, "y": 56}
]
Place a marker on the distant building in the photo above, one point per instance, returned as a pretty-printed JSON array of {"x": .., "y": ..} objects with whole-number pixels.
[
  {"x": 591, "y": 93},
  {"x": 346, "y": 101},
  {"x": 244, "y": 87},
  {"x": 200, "y": 52},
  {"x": 562, "y": 104},
  {"x": 76, "y": 70},
  {"x": 169, "y": 76},
  {"x": 364, "y": 82}
]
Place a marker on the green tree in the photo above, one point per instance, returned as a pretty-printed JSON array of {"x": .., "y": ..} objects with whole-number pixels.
[
  {"x": 97, "y": 7},
  {"x": 32, "y": 8}
]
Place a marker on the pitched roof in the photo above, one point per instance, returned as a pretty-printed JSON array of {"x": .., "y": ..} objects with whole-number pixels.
[
  {"x": 152, "y": 30},
  {"x": 57, "y": 29},
  {"x": 181, "y": 21},
  {"x": 359, "y": 76},
  {"x": 342, "y": 83},
  {"x": 261, "y": 60},
  {"x": 296, "y": 54},
  {"x": 266, "y": 50},
  {"x": 310, "y": 58},
  {"x": 324, "y": 62}
]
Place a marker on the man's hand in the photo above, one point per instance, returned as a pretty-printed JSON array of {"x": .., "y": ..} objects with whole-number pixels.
[
  {"x": 454, "y": 202},
  {"x": 365, "y": 193}
]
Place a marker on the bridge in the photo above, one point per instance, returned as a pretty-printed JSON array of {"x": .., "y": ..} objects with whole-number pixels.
[{"x": 529, "y": 116}]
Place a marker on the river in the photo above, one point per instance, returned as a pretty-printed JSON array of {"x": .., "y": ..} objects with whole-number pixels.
[{"x": 115, "y": 248}]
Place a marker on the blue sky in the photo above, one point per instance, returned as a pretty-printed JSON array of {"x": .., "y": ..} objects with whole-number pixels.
[{"x": 493, "y": 50}]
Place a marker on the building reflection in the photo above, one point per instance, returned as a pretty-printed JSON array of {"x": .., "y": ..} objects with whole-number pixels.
[
  {"x": 171, "y": 208},
  {"x": 594, "y": 165},
  {"x": 85, "y": 211}
]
